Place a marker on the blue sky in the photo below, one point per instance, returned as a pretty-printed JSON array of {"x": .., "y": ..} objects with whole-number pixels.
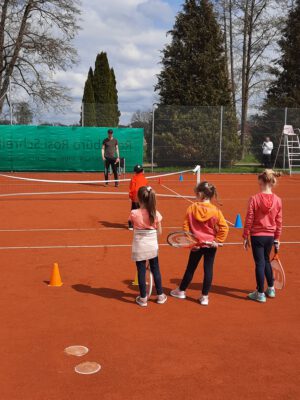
[{"x": 132, "y": 32}]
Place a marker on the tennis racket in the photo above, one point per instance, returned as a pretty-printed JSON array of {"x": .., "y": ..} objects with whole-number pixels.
[
  {"x": 278, "y": 271},
  {"x": 149, "y": 280},
  {"x": 187, "y": 240}
]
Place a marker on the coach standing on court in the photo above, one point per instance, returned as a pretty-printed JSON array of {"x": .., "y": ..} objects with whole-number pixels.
[{"x": 110, "y": 148}]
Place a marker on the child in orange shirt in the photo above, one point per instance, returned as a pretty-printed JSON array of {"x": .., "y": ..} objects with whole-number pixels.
[
  {"x": 136, "y": 182},
  {"x": 208, "y": 224}
]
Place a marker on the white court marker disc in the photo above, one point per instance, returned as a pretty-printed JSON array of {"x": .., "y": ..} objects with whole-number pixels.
[
  {"x": 76, "y": 350},
  {"x": 87, "y": 368}
]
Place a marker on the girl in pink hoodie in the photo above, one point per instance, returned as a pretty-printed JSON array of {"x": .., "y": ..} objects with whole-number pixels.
[
  {"x": 208, "y": 224},
  {"x": 263, "y": 225}
]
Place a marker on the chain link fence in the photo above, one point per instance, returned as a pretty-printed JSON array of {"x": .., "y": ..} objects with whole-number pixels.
[{"x": 177, "y": 136}]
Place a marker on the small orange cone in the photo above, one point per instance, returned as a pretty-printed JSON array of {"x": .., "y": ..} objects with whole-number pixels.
[
  {"x": 159, "y": 181},
  {"x": 55, "y": 277}
]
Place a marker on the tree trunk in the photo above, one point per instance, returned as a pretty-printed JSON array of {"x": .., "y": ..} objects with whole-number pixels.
[
  {"x": 232, "y": 76},
  {"x": 225, "y": 38},
  {"x": 244, "y": 80},
  {"x": 2, "y": 25}
]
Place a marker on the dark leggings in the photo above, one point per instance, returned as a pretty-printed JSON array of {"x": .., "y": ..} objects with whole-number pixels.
[
  {"x": 154, "y": 266},
  {"x": 261, "y": 249},
  {"x": 195, "y": 256}
]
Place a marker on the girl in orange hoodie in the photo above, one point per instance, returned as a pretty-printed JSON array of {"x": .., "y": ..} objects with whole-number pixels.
[
  {"x": 208, "y": 224},
  {"x": 137, "y": 181}
]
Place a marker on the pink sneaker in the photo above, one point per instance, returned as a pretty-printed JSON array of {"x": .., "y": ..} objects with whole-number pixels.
[
  {"x": 141, "y": 301},
  {"x": 180, "y": 294}
]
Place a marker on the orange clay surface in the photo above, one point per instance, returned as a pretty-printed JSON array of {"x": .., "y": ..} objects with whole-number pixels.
[{"x": 233, "y": 349}]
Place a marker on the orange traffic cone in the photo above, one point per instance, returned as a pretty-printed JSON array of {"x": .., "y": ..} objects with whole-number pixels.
[
  {"x": 159, "y": 181},
  {"x": 55, "y": 277}
]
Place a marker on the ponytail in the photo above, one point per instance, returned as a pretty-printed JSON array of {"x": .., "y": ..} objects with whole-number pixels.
[
  {"x": 147, "y": 197},
  {"x": 269, "y": 177},
  {"x": 208, "y": 190}
]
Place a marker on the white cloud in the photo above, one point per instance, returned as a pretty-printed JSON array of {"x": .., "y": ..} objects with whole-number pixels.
[
  {"x": 156, "y": 10},
  {"x": 132, "y": 32}
]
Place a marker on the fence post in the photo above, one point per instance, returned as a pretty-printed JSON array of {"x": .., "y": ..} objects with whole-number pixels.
[
  {"x": 82, "y": 114},
  {"x": 221, "y": 139},
  {"x": 284, "y": 143},
  {"x": 152, "y": 138},
  {"x": 10, "y": 101}
]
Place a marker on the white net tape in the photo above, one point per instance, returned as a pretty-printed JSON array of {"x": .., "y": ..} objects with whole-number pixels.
[{"x": 56, "y": 187}]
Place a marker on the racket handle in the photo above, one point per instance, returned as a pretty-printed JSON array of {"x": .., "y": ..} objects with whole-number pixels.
[{"x": 210, "y": 243}]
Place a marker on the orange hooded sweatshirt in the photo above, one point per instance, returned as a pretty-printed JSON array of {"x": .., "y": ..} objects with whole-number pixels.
[
  {"x": 206, "y": 222},
  {"x": 137, "y": 181}
]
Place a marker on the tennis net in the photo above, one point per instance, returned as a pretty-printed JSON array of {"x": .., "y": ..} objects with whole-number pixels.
[{"x": 47, "y": 184}]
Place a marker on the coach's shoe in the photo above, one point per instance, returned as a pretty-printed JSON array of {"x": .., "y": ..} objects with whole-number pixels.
[
  {"x": 180, "y": 294},
  {"x": 270, "y": 292},
  {"x": 161, "y": 298},
  {"x": 256, "y": 296},
  {"x": 141, "y": 301},
  {"x": 204, "y": 300}
]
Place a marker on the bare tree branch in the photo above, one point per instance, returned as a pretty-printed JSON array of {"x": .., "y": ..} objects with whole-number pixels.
[{"x": 36, "y": 41}]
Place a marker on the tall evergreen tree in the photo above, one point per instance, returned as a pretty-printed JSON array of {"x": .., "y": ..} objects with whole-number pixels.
[
  {"x": 285, "y": 90},
  {"x": 115, "y": 99},
  {"x": 194, "y": 75},
  {"x": 100, "y": 95},
  {"x": 102, "y": 84},
  {"x": 194, "y": 64},
  {"x": 88, "y": 102}
]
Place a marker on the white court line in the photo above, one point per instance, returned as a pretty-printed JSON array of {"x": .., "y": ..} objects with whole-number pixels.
[
  {"x": 94, "y": 229},
  {"x": 74, "y": 229},
  {"x": 100, "y": 246}
]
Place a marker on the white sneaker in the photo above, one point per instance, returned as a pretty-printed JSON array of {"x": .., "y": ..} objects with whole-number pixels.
[
  {"x": 180, "y": 294},
  {"x": 204, "y": 301},
  {"x": 161, "y": 299},
  {"x": 141, "y": 301}
]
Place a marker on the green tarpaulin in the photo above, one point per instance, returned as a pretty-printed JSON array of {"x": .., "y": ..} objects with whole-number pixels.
[{"x": 55, "y": 148}]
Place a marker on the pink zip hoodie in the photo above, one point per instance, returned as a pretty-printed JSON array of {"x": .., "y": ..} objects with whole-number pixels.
[{"x": 264, "y": 216}]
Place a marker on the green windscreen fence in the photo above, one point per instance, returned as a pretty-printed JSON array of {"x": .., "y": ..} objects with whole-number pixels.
[{"x": 55, "y": 148}]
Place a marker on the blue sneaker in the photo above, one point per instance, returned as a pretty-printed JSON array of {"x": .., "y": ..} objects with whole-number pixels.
[
  {"x": 270, "y": 292},
  {"x": 260, "y": 297}
]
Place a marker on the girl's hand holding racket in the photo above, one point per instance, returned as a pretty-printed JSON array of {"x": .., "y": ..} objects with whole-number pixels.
[{"x": 276, "y": 245}]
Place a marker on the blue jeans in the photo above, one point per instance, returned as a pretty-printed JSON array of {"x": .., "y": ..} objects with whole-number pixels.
[
  {"x": 195, "y": 256},
  {"x": 261, "y": 249},
  {"x": 154, "y": 266}
]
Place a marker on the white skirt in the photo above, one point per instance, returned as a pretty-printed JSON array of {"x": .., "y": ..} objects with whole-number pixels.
[{"x": 144, "y": 245}]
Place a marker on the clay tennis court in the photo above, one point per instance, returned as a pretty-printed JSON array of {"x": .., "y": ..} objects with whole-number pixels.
[{"x": 233, "y": 349}]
